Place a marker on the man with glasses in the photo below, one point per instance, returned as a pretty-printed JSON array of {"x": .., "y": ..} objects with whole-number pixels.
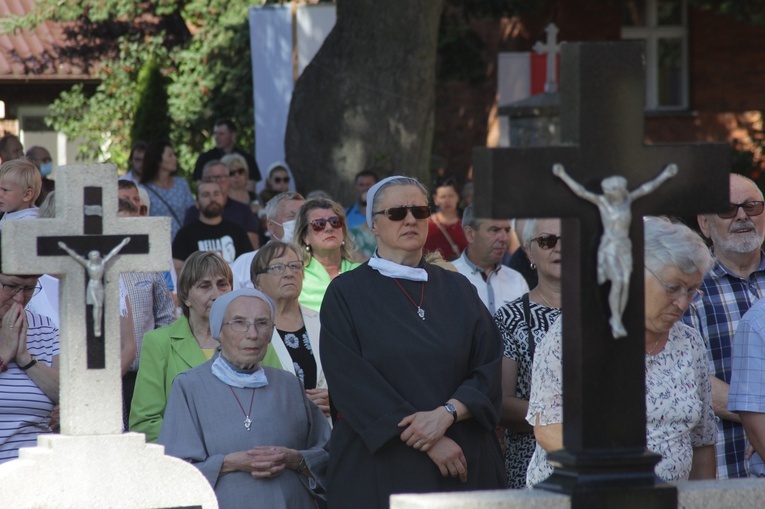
[
  {"x": 735, "y": 282},
  {"x": 233, "y": 211},
  {"x": 481, "y": 261}
]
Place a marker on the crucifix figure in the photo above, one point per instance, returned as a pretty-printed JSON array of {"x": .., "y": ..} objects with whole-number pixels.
[
  {"x": 551, "y": 47},
  {"x": 615, "y": 250},
  {"x": 95, "y": 265},
  {"x": 604, "y": 461}
]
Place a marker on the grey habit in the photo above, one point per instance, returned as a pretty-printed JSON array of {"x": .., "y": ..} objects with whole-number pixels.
[{"x": 203, "y": 422}]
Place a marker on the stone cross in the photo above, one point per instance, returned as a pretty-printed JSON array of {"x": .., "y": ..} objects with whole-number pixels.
[
  {"x": 86, "y": 222},
  {"x": 551, "y": 47},
  {"x": 604, "y": 462}
]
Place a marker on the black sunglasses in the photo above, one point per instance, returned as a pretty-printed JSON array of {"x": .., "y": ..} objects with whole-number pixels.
[
  {"x": 399, "y": 213},
  {"x": 751, "y": 208},
  {"x": 318, "y": 225},
  {"x": 547, "y": 241},
  {"x": 279, "y": 180}
]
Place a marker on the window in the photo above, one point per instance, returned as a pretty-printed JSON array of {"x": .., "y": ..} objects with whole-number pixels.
[{"x": 662, "y": 24}]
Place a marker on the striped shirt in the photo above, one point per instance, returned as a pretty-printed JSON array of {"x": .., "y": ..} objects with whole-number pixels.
[
  {"x": 727, "y": 297},
  {"x": 24, "y": 408}
]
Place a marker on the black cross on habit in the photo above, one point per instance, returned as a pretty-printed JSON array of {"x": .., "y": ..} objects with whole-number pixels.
[
  {"x": 93, "y": 239},
  {"x": 604, "y": 459}
]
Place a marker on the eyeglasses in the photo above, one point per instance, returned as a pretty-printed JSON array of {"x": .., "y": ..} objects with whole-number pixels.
[
  {"x": 279, "y": 180},
  {"x": 751, "y": 208},
  {"x": 29, "y": 291},
  {"x": 675, "y": 292},
  {"x": 399, "y": 213},
  {"x": 239, "y": 325},
  {"x": 546, "y": 241},
  {"x": 238, "y": 171},
  {"x": 216, "y": 178},
  {"x": 318, "y": 225},
  {"x": 279, "y": 268}
]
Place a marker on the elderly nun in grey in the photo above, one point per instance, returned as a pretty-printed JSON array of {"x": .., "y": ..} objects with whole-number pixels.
[{"x": 250, "y": 430}]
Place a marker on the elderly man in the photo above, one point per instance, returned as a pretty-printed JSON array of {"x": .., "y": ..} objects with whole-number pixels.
[
  {"x": 224, "y": 133},
  {"x": 233, "y": 211},
  {"x": 281, "y": 212},
  {"x": 211, "y": 232},
  {"x": 735, "y": 282},
  {"x": 481, "y": 261}
]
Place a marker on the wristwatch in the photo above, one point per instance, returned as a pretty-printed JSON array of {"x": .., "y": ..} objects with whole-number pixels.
[
  {"x": 450, "y": 408},
  {"x": 31, "y": 363},
  {"x": 302, "y": 466}
]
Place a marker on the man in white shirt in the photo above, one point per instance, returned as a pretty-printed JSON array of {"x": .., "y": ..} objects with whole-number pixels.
[{"x": 481, "y": 261}]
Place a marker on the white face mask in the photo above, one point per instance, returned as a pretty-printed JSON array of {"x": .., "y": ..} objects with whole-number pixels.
[
  {"x": 46, "y": 169},
  {"x": 289, "y": 231}
]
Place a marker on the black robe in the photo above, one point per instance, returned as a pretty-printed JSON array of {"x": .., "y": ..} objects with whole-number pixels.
[{"x": 383, "y": 362}]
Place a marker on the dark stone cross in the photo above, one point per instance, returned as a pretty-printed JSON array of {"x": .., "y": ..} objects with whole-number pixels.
[
  {"x": 604, "y": 462},
  {"x": 86, "y": 221}
]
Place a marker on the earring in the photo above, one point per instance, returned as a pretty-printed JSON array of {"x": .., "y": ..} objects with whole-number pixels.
[
  {"x": 308, "y": 248},
  {"x": 533, "y": 266},
  {"x": 342, "y": 243}
]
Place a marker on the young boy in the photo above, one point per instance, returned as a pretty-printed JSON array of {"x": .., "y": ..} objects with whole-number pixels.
[{"x": 20, "y": 184}]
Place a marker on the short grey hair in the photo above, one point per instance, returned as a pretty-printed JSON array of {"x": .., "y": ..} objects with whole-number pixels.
[
  {"x": 675, "y": 245},
  {"x": 274, "y": 202},
  {"x": 529, "y": 231},
  {"x": 48, "y": 206},
  {"x": 468, "y": 218},
  {"x": 398, "y": 181},
  {"x": 210, "y": 164}
]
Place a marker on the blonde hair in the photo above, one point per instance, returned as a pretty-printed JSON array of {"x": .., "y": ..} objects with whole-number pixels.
[{"x": 23, "y": 173}]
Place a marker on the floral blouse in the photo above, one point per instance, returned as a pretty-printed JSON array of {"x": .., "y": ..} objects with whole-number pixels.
[{"x": 678, "y": 398}]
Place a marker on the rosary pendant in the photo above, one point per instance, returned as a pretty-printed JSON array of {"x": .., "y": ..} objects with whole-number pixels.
[
  {"x": 247, "y": 423},
  {"x": 420, "y": 312}
]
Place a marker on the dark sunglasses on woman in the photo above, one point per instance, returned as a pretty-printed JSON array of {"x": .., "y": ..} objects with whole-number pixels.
[
  {"x": 546, "y": 241},
  {"x": 399, "y": 213}
]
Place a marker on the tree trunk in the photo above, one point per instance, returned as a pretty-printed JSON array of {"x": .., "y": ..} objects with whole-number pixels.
[{"x": 367, "y": 98}]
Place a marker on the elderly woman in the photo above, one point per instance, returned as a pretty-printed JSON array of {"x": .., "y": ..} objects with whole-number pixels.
[
  {"x": 249, "y": 429},
  {"x": 183, "y": 344},
  {"x": 29, "y": 349},
  {"x": 413, "y": 359},
  {"x": 523, "y": 323},
  {"x": 277, "y": 271},
  {"x": 322, "y": 233},
  {"x": 278, "y": 181},
  {"x": 680, "y": 422},
  {"x": 170, "y": 194}
]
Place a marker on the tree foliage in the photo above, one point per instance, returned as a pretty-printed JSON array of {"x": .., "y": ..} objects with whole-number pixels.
[{"x": 152, "y": 118}]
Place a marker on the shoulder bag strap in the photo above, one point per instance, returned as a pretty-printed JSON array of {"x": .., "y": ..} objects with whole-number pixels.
[
  {"x": 527, "y": 313},
  {"x": 155, "y": 193},
  {"x": 447, "y": 236}
]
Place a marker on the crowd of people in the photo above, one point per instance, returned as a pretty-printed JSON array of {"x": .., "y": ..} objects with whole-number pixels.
[{"x": 305, "y": 354}]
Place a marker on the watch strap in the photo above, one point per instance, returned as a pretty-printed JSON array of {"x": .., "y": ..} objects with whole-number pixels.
[{"x": 31, "y": 363}]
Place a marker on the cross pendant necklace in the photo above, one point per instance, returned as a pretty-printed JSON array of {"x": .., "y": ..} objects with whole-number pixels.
[
  {"x": 247, "y": 420},
  {"x": 420, "y": 311}
]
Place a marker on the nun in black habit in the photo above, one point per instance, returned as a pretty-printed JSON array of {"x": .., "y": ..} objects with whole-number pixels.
[{"x": 414, "y": 361}]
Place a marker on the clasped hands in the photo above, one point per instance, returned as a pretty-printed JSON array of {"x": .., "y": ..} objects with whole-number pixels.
[
  {"x": 13, "y": 335},
  {"x": 424, "y": 431},
  {"x": 262, "y": 462}
]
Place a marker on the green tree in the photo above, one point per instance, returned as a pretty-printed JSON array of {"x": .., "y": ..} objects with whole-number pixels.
[{"x": 152, "y": 118}]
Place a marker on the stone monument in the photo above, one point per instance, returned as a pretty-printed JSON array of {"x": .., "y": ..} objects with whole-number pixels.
[{"x": 92, "y": 463}]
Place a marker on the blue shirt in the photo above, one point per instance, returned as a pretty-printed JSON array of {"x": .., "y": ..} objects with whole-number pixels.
[
  {"x": 716, "y": 315},
  {"x": 354, "y": 216}
]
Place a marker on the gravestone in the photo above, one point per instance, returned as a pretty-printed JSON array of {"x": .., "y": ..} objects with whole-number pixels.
[
  {"x": 604, "y": 462},
  {"x": 92, "y": 463}
]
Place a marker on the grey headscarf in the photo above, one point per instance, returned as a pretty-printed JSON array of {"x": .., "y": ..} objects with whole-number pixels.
[
  {"x": 220, "y": 305},
  {"x": 371, "y": 196}
]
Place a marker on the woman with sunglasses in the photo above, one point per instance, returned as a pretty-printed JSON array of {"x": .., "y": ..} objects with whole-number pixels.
[
  {"x": 413, "y": 359},
  {"x": 238, "y": 171},
  {"x": 523, "y": 323},
  {"x": 277, "y": 271},
  {"x": 321, "y": 232},
  {"x": 680, "y": 421}
]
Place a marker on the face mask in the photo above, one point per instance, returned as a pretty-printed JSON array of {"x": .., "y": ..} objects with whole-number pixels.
[
  {"x": 46, "y": 169},
  {"x": 289, "y": 231}
]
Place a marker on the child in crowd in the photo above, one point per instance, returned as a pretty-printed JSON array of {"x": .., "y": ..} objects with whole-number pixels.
[{"x": 20, "y": 184}]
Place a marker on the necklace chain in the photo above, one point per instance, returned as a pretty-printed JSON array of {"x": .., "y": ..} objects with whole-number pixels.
[
  {"x": 247, "y": 420},
  {"x": 546, "y": 301},
  {"x": 420, "y": 311},
  {"x": 649, "y": 353}
]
